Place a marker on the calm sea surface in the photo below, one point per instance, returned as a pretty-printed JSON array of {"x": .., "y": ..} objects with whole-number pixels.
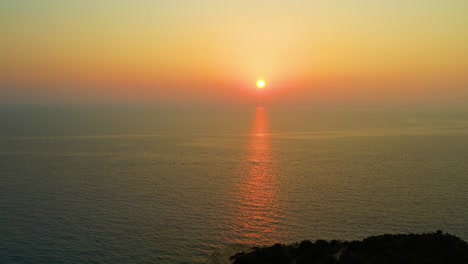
[{"x": 163, "y": 185}]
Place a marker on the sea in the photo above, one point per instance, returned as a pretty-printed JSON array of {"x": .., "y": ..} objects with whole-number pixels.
[{"x": 166, "y": 184}]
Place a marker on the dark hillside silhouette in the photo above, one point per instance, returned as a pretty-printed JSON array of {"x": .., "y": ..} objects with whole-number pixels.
[{"x": 428, "y": 248}]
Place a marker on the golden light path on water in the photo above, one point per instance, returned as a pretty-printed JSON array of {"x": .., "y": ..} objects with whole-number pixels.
[{"x": 256, "y": 213}]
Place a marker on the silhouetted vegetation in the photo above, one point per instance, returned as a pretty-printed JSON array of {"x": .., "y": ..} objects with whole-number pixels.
[{"x": 401, "y": 248}]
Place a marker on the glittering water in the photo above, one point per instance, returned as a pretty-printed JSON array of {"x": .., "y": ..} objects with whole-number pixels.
[{"x": 172, "y": 185}]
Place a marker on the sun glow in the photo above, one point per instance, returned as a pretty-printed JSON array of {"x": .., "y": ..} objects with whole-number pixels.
[{"x": 260, "y": 84}]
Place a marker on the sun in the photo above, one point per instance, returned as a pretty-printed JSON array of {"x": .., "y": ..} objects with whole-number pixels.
[{"x": 261, "y": 84}]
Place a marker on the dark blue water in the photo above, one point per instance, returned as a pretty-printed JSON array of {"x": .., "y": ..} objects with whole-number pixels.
[{"x": 132, "y": 185}]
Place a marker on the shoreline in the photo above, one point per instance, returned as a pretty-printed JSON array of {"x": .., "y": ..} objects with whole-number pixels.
[{"x": 437, "y": 247}]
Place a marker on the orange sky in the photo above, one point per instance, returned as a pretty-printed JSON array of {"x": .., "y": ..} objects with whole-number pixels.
[{"x": 212, "y": 52}]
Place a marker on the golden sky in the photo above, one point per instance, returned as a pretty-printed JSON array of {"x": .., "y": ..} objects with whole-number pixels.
[{"x": 213, "y": 52}]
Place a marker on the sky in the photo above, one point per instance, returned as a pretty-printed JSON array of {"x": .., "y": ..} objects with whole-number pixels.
[{"x": 213, "y": 52}]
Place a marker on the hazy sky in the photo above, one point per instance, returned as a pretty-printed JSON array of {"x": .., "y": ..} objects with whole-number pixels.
[{"x": 200, "y": 51}]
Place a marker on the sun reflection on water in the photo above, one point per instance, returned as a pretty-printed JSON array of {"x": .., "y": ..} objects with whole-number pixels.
[{"x": 256, "y": 213}]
